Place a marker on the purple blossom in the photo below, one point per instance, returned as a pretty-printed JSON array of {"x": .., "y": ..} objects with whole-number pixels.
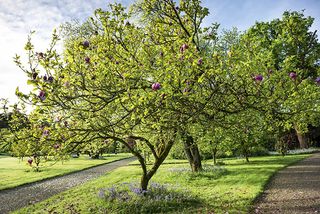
[
  {"x": 45, "y": 132},
  {"x": 45, "y": 78},
  {"x": 102, "y": 194},
  {"x": 318, "y": 81},
  {"x": 42, "y": 95},
  {"x": 258, "y": 78},
  {"x": 183, "y": 48},
  {"x": 87, "y": 59},
  {"x": 86, "y": 44},
  {"x": 34, "y": 75},
  {"x": 200, "y": 61},
  {"x": 293, "y": 75},
  {"x": 50, "y": 79},
  {"x": 156, "y": 86}
]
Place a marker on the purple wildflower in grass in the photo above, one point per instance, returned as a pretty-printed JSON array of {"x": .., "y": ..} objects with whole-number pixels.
[
  {"x": 112, "y": 193},
  {"x": 102, "y": 194},
  {"x": 318, "y": 81}
]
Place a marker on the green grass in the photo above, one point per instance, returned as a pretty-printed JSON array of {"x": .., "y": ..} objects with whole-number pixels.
[
  {"x": 14, "y": 172},
  {"x": 232, "y": 191}
]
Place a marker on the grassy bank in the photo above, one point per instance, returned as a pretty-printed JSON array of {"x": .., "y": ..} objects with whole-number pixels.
[
  {"x": 14, "y": 172},
  {"x": 228, "y": 188}
]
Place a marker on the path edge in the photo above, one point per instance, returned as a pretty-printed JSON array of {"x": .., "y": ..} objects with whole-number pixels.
[
  {"x": 56, "y": 176},
  {"x": 265, "y": 186}
]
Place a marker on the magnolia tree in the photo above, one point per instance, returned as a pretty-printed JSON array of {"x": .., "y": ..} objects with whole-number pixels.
[
  {"x": 129, "y": 81},
  {"x": 285, "y": 55}
]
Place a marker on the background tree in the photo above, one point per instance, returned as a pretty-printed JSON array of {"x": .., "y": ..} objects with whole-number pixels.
[{"x": 287, "y": 50}]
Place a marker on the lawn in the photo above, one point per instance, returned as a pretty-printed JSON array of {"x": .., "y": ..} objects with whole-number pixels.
[
  {"x": 229, "y": 188},
  {"x": 14, "y": 172}
]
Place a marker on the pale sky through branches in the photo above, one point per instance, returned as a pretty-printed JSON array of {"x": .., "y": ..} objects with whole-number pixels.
[{"x": 19, "y": 17}]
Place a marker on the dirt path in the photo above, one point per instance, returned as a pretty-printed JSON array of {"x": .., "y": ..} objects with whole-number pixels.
[
  {"x": 295, "y": 189},
  {"x": 19, "y": 197}
]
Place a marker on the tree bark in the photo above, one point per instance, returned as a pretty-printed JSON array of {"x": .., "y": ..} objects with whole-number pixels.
[
  {"x": 247, "y": 158},
  {"x": 214, "y": 155},
  {"x": 144, "y": 182},
  {"x": 192, "y": 153},
  {"x": 302, "y": 138}
]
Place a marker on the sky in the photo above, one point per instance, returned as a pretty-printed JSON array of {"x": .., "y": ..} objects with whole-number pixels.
[{"x": 19, "y": 17}]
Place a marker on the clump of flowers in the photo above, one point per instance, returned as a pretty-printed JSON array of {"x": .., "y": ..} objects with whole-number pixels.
[
  {"x": 129, "y": 197},
  {"x": 212, "y": 171}
]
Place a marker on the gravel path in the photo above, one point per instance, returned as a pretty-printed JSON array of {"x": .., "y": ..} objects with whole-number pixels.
[
  {"x": 18, "y": 197},
  {"x": 295, "y": 189}
]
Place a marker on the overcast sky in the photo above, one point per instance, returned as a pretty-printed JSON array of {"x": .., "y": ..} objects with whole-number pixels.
[{"x": 19, "y": 17}]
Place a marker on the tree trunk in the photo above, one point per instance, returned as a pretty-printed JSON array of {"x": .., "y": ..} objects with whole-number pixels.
[
  {"x": 147, "y": 175},
  {"x": 247, "y": 158},
  {"x": 144, "y": 182},
  {"x": 192, "y": 153},
  {"x": 302, "y": 138},
  {"x": 214, "y": 155}
]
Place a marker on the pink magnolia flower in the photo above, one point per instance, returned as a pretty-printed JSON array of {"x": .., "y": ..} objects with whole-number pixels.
[
  {"x": 183, "y": 48},
  {"x": 42, "y": 95},
  {"x": 258, "y": 78},
  {"x": 156, "y": 86},
  {"x": 293, "y": 75}
]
